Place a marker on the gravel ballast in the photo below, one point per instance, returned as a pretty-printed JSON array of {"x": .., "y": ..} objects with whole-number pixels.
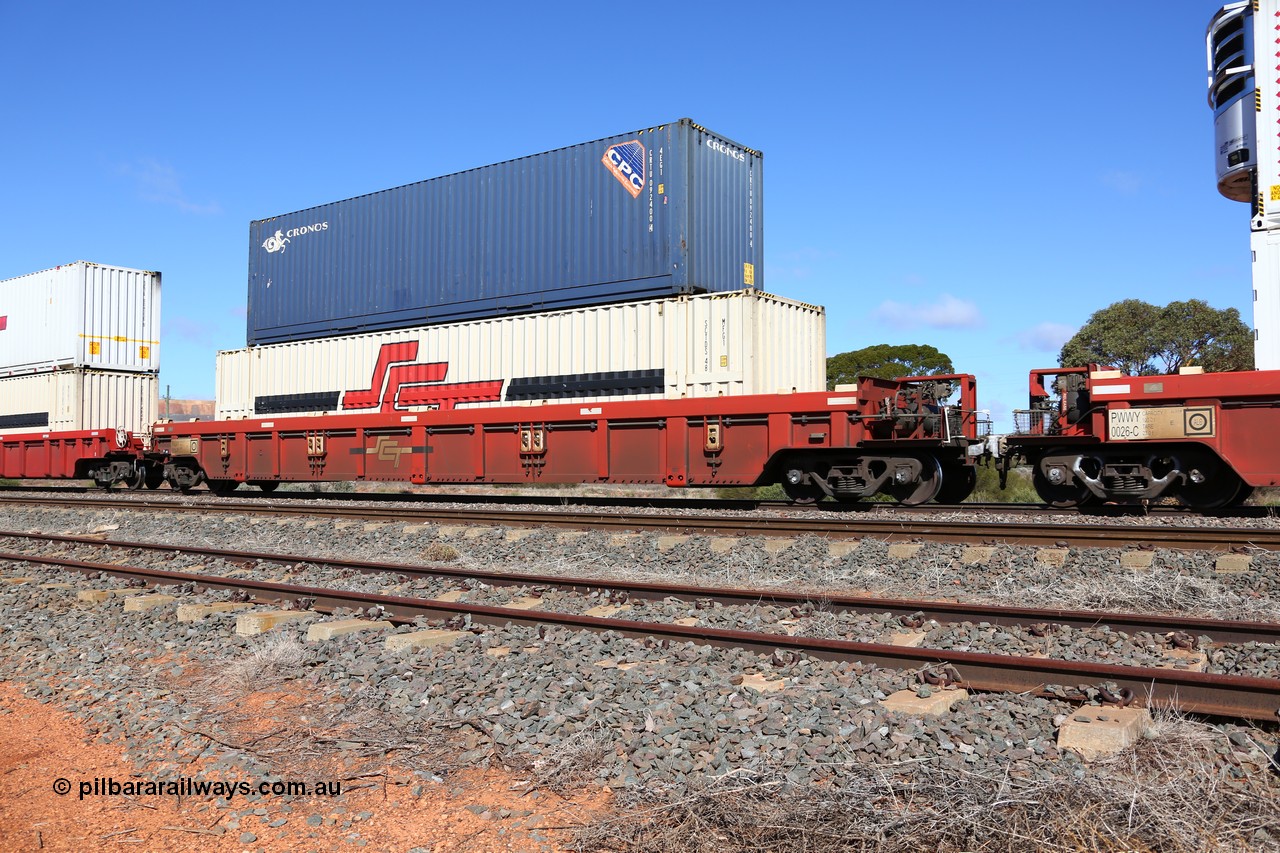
[{"x": 594, "y": 709}]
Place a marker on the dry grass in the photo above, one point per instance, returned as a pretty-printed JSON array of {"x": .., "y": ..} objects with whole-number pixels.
[
  {"x": 751, "y": 568},
  {"x": 439, "y": 552},
  {"x": 821, "y": 621},
  {"x": 1168, "y": 794},
  {"x": 270, "y": 661},
  {"x": 573, "y": 763},
  {"x": 259, "y": 707},
  {"x": 541, "y": 564},
  {"x": 1144, "y": 591}
]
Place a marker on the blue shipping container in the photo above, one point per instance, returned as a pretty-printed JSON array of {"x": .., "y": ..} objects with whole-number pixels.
[{"x": 657, "y": 212}]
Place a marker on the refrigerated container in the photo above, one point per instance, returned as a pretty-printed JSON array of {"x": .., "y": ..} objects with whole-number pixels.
[
  {"x": 744, "y": 342},
  {"x": 80, "y": 315},
  {"x": 667, "y": 210}
]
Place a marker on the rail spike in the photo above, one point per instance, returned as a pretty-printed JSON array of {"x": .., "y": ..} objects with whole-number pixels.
[
  {"x": 943, "y": 676},
  {"x": 1121, "y": 699}
]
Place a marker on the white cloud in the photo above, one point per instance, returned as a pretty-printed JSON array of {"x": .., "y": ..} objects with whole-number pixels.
[
  {"x": 192, "y": 331},
  {"x": 798, "y": 264},
  {"x": 1125, "y": 183},
  {"x": 160, "y": 183},
  {"x": 1045, "y": 337},
  {"x": 946, "y": 312}
]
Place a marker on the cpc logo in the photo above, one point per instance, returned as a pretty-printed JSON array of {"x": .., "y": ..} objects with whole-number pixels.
[
  {"x": 276, "y": 242},
  {"x": 626, "y": 161}
]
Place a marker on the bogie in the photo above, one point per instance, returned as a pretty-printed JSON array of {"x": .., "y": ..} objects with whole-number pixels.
[
  {"x": 1095, "y": 436},
  {"x": 123, "y": 471},
  {"x": 909, "y": 479},
  {"x": 183, "y": 476}
]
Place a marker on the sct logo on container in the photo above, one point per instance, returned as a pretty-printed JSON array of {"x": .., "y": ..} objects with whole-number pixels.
[{"x": 626, "y": 161}]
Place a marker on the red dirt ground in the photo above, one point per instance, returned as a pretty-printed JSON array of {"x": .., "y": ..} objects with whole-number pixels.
[{"x": 41, "y": 744}]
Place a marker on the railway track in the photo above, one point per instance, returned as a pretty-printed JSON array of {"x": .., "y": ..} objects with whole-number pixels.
[
  {"x": 891, "y": 529},
  {"x": 553, "y": 499},
  {"x": 1219, "y": 630},
  {"x": 1205, "y": 693}
]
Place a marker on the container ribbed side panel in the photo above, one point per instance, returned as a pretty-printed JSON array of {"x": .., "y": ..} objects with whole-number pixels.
[
  {"x": 705, "y": 345},
  {"x": 726, "y": 211},
  {"x": 80, "y": 315},
  {"x": 121, "y": 319},
  {"x": 77, "y": 399},
  {"x": 549, "y": 231}
]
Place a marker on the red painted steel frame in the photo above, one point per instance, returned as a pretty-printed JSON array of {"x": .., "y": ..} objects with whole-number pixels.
[
  {"x": 1246, "y": 410},
  {"x": 53, "y": 455},
  {"x": 693, "y": 442}
]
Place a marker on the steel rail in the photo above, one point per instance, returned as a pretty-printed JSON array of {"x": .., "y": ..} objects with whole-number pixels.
[
  {"x": 955, "y": 532},
  {"x": 658, "y": 502},
  {"x": 1218, "y": 630},
  {"x": 1201, "y": 693}
]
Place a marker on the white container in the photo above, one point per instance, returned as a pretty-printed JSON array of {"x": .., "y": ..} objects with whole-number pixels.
[
  {"x": 80, "y": 315},
  {"x": 743, "y": 342},
  {"x": 72, "y": 400}
]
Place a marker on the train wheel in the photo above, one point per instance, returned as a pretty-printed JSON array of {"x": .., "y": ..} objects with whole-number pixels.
[
  {"x": 154, "y": 477},
  {"x": 1221, "y": 487},
  {"x": 223, "y": 487},
  {"x": 802, "y": 493},
  {"x": 183, "y": 476},
  {"x": 136, "y": 479},
  {"x": 957, "y": 484},
  {"x": 922, "y": 490},
  {"x": 267, "y": 486},
  {"x": 1061, "y": 495}
]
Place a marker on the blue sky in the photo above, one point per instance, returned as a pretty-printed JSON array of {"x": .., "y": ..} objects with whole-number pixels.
[{"x": 977, "y": 180}]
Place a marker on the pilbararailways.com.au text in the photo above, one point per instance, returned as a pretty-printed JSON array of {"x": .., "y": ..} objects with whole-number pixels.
[{"x": 189, "y": 786}]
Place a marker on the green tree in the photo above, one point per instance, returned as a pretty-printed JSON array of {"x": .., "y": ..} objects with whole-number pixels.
[
  {"x": 1142, "y": 339},
  {"x": 886, "y": 361},
  {"x": 1196, "y": 333}
]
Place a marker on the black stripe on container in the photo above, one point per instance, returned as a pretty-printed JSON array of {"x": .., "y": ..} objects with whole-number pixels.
[
  {"x": 29, "y": 419},
  {"x": 320, "y": 401},
  {"x": 611, "y": 384}
]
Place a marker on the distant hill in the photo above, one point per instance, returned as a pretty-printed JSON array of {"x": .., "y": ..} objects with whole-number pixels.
[{"x": 186, "y": 410}]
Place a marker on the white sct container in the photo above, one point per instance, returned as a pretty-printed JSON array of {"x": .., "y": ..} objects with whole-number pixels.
[
  {"x": 77, "y": 399},
  {"x": 742, "y": 342},
  {"x": 80, "y": 315}
]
